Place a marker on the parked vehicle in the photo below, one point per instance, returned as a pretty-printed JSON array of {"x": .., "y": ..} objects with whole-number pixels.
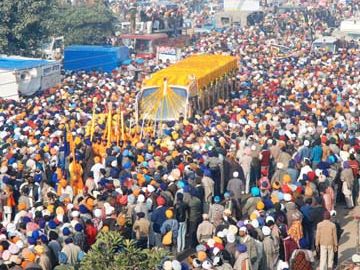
[
  {"x": 145, "y": 45},
  {"x": 325, "y": 44},
  {"x": 193, "y": 84}
]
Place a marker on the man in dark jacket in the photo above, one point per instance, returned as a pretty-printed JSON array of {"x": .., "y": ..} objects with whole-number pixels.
[
  {"x": 308, "y": 227},
  {"x": 158, "y": 218},
  {"x": 181, "y": 213},
  {"x": 316, "y": 214},
  {"x": 195, "y": 211}
]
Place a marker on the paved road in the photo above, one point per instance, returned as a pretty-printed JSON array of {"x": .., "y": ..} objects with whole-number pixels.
[{"x": 348, "y": 241}]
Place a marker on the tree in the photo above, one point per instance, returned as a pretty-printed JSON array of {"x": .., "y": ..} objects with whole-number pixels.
[
  {"x": 21, "y": 28},
  {"x": 111, "y": 251},
  {"x": 27, "y": 24},
  {"x": 82, "y": 24}
]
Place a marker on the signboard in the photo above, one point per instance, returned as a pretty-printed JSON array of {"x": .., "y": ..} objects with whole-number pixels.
[
  {"x": 51, "y": 76},
  {"x": 171, "y": 54},
  {"x": 250, "y": 5},
  {"x": 241, "y": 5},
  {"x": 231, "y": 5}
]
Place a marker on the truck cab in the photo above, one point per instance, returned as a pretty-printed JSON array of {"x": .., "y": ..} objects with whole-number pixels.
[
  {"x": 53, "y": 49},
  {"x": 350, "y": 29},
  {"x": 325, "y": 44},
  {"x": 145, "y": 45}
]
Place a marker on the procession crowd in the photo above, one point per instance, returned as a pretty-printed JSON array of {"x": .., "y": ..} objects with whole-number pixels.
[{"x": 251, "y": 183}]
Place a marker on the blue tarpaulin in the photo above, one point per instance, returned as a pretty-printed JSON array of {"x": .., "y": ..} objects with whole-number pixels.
[
  {"x": 94, "y": 58},
  {"x": 7, "y": 63},
  {"x": 128, "y": 61}
]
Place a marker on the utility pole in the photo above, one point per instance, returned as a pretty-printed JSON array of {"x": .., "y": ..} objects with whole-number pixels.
[
  {"x": 133, "y": 11},
  {"x": 306, "y": 17}
]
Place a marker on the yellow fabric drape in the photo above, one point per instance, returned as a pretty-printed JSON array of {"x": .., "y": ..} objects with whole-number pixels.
[
  {"x": 92, "y": 129},
  {"x": 70, "y": 140},
  {"x": 165, "y": 101},
  {"x": 109, "y": 125}
]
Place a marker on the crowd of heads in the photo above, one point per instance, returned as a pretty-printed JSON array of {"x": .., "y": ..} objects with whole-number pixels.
[{"x": 247, "y": 173}]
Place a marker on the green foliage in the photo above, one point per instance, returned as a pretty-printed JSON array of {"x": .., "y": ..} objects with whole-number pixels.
[
  {"x": 84, "y": 24},
  {"x": 103, "y": 252},
  {"x": 21, "y": 25},
  {"x": 111, "y": 251},
  {"x": 154, "y": 257},
  {"x": 26, "y": 24}
]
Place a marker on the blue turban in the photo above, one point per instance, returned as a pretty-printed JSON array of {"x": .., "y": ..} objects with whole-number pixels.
[
  {"x": 163, "y": 186},
  {"x": 38, "y": 177},
  {"x": 83, "y": 209},
  {"x": 35, "y": 235},
  {"x": 66, "y": 231},
  {"x": 147, "y": 178},
  {"x": 241, "y": 248},
  {"x": 181, "y": 184},
  {"x": 26, "y": 219},
  {"x": 88, "y": 142},
  {"x": 114, "y": 172},
  {"x": 78, "y": 227},
  {"x": 31, "y": 241},
  {"x": 127, "y": 165},
  {"x": 268, "y": 203},
  {"x": 52, "y": 224},
  {"x": 303, "y": 243},
  {"x": 42, "y": 223},
  {"x": 184, "y": 266},
  {"x": 207, "y": 173},
  {"x": 255, "y": 192},
  {"x": 44, "y": 238},
  {"x": 331, "y": 159}
]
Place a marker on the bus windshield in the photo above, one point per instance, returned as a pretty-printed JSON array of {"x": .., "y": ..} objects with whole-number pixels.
[
  {"x": 142, "y": 46},
  {"x": 128, "y": 42},
  {"x": 322, "y": 46},
  {"x": 155, "y": 105}
]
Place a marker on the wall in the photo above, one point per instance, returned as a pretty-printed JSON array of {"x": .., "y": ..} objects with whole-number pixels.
[{"x": 8, "y": 85}]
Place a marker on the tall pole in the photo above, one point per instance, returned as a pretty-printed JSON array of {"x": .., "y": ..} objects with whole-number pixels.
[
  {"x": 92, "y": 130},
  {"x": 133, "y": 12},
  {"x": 109, "y": 124}
]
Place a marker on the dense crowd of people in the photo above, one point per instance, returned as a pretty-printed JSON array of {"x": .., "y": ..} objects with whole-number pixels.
[{"x": 251, "y": 183}]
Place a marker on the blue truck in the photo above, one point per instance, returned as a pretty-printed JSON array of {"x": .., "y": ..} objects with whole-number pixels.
[{"x": 94, "y": 58}]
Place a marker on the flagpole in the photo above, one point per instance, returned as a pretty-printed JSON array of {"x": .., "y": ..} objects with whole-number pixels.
[
  {"x": 142, "y": 129},
  {"x": 71, "y": 142},
  {"x": 130, "y": 128},
  {"x": 122, "y": 126},
  {"x": 118, "y": 127},
  {"x": 92, "y": 130},
  {"x": 109, "y": 123}
]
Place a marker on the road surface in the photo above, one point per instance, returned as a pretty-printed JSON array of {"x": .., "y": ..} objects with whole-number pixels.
[{"x": 348, "y": 241}]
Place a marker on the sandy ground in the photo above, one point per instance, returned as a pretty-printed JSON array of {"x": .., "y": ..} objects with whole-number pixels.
[{"x": 349, "y": 240}]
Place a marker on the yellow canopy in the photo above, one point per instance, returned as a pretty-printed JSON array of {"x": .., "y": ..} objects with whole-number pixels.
[
  {"x": 166, "y": 99},
  {"x": 204, "y": 68}
]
